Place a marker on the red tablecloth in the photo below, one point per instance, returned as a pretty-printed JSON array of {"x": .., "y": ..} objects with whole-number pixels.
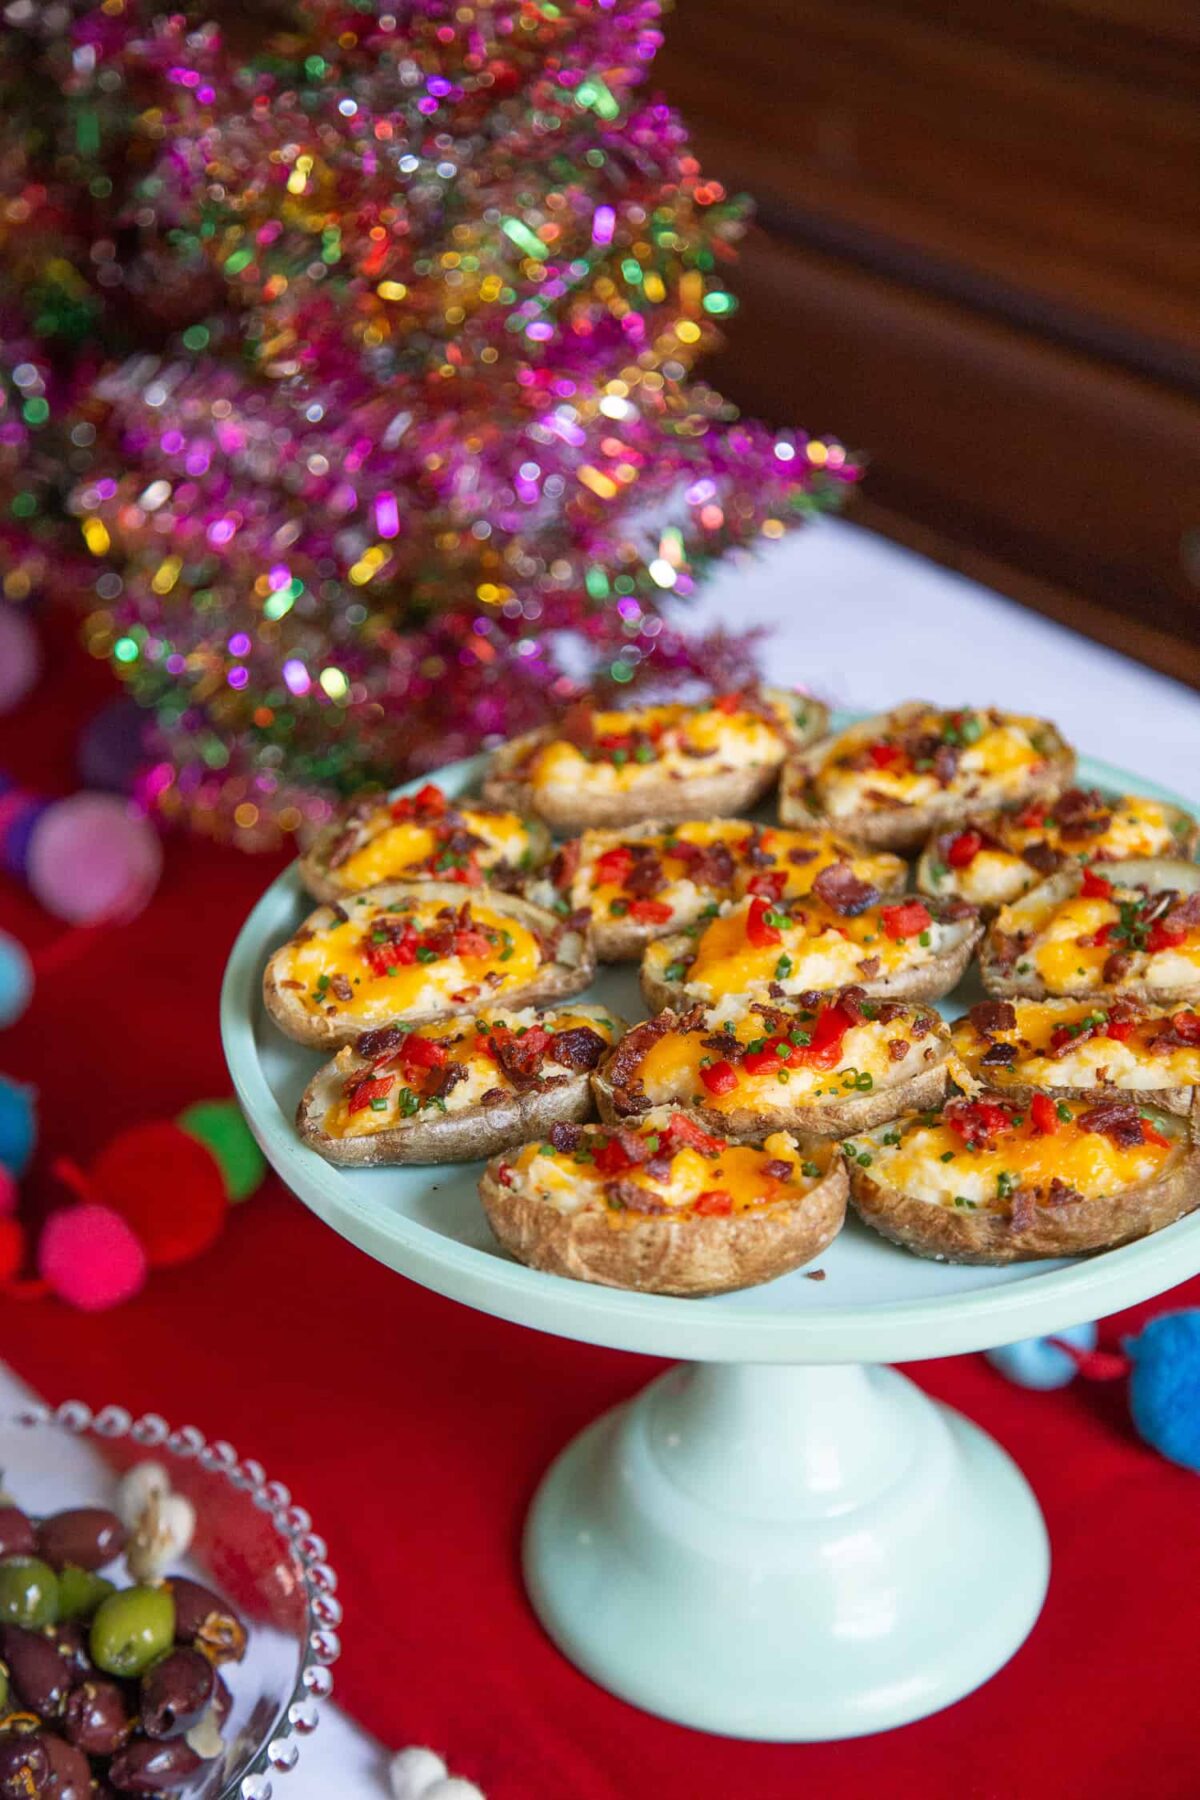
[{"x": 416, "y": 1431}]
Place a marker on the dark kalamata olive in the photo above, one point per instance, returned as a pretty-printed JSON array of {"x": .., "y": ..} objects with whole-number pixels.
[
  {"x": 70, "y": 1640},
  {"x": 70, "y": 1771},
  {"x": 38, "y": 1674},
  {"x": 204, "y": 1620},
  {"x": 17, "y": 1536},
  {"x": 222, "y": 1700},
  {"x": 96, "y": 1717},
  {"x": 87, "y": 1537},
  {"x": 24, "y": 1766},
  {"x": 176, "y": 1691},
  {"x": 146, "y": 1768}
]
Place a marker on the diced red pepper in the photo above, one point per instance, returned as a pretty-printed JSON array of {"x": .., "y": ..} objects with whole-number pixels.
[
  {"x": 756, "y": 1061},
  {"x": 428, "y": 800},
  {"x": 1167, "y": 934},
  {"x": 1043, "y": 1115},
  {"x": 964, "y": 849},
  {"x": 395, "y": 953},
  {"x": 1120, "y": 1029},
  {"x": 1152, "y": 1135},
  {"x": 713, "y": 1203},
  {"x": 1187, "y": 1026},
  {"x": 362, "y": 1093},
  {"x": 768, "y": 884},
  {"x": 680, "y": 1130},
  {"x": 611, "y": 1159},
  {"x": 469, "y": 875},
  {"x": 825, "y": 1049},
  {"x": 758, "y": 932},
  {"x": 1095, "y": 887},
  {"x": 978, "y": 1121},
  {"x": 470, "y": 941},
  {"x": 649, "y": 912},
  {"x": 728, "y": 703},
  {"x": 1033, "y": 817},
  {"x": 719, "y": 1078},
  {"x": 1061, "y": 1036},
  {"x": 423, "y": 1053},
  {"x": 905, "y": 921},
  {"x": 615, "y": 741},
  {"x": 614, "y": 866},
  {"x": 885, "y": 756}
]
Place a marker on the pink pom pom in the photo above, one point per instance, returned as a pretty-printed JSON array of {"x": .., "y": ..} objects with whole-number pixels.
[
  {"x": 8, "y": 1192},
  {"x": 91, "y": 858},
  {"x": 20, "y": 657},
  {"x": 90, "y": 1258}
]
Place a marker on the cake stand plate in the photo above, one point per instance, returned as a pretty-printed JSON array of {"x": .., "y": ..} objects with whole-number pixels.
[{"x": 780, "y": 1539}]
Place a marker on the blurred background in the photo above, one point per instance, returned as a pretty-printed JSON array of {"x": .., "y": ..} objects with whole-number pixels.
[{"x": 977, "y": 257}]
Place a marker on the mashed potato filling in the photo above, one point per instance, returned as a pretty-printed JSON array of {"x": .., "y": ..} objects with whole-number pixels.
[
  {"x": 1107, "y": 935},
  {"x": 876, "y": 763},
  {"x": 392, "y": 848},
  {"x": 1081, "y": 1043},
  {"x": 626, "y": 750}
]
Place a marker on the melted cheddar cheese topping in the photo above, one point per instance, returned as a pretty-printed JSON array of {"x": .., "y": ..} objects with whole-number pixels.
[
  {"x": 1078, "y": 1044},
  {"x": 1069, "y": 942},
  {"x": 395, "y": 850},
  {"x": 376, "y": 1095},
  {"x": 346, "y": 969},
  {"x": 816, "y": 948},
  {"x": 868, "y": 765},
  {"x": 674, "y": 741},
  {"x": 673, "y": 1070},
  {"x": 684, "y": 891},
  {"x": 798, "y": 856},
  {"x": 704, "y": 1178},
  {"x": 927, "y": 1160}
]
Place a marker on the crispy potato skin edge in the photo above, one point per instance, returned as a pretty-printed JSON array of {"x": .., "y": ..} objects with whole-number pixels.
[
  {"x": 557, "y": 981},
  {"x": 656, "y": 1255},
  {"x": 467, "y": 1136},
  {"x": 824, "y": 1119},
  {"x": 953, "y": 1234},
  {"x": 907, "y": 827}
]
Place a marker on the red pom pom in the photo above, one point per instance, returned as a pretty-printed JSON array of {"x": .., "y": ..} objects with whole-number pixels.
[
  {"x": 90, "y": 1258},
  {"x": 167, "y": 1186},
  {"x": 12, "y": 1248}
]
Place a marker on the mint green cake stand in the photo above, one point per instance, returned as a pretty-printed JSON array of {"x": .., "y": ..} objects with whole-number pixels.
[{"x": 782, "y": 1537}]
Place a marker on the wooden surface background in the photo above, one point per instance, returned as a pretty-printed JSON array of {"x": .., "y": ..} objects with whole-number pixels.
[{"x": 977, "y": 259}]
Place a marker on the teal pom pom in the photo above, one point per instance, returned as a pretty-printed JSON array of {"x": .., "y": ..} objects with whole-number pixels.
[
  {"x": 1164, "y": 1386},
  {"x": 16, "y": 980},
  {"x": 1038, "y": 1363},
  {"x": 18, "y": 1126}
]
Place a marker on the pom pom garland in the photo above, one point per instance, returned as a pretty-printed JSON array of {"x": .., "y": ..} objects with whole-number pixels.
[
  {"x": 8, "y": 1193},
  {"x": 221, "y": 1126},
  {"x": 1043, "y": 1363},
  {"x": 89, "y": 1257},
  {"x": 16, "y": 980},
  {"x": 20, "y": 657},
  {"x": 18, "y": 1126},
  {"x": 167, "y": 1187},
  {"x": 12, "y": 1247},
  {"x": 89, "y": 859}
]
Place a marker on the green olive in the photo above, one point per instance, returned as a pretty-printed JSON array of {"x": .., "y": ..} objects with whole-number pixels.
[
  {"x": 131, "y": 1628},
  {"x": 28, "y": 1592},
  {"x": 80, "y": 1591},
  {"x": 5, "y": 1687}
]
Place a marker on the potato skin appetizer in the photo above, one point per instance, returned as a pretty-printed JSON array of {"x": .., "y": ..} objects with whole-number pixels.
[
  {"x": 1133, "y": 929},
  {"x": 663, "y": 1207},
  {"x": 994, "y": 859},
  {"x": 988, "y": 1181},
  {"x": 450, "y": 1092},
  {"x": 842, "y": 934},
  {"x": 838, "y": 1064},
  {"x": 892, "y": 780},
  {"x": 668, "y": 763},
  {"x": 414, "y": 953},
  {"x": 1084, "y": 1049},
  {"x": 421, "y": 837},
  {"x": 652, "y": 879}
]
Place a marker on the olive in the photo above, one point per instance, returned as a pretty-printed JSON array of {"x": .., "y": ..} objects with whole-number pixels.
[
  {"x": 203, "y": 1619},
  {"x": 70, "y": 1771},
  {"x": 131, "y": 1628},
  {"x": 96, "y": 1717},
  {"x": 17, "y": 1536},
  {"x": 36, "y": 1670},
  {"x": 80, "y": 1591},
  {"x": 222, "y": 1700},
  {"x": 24, "y": 1766},
  {"x": 70, "y": 1640},
  {"x": 28, "y": 1592},
  {"x": 146, "y": 1768},
  {"x": 88, "y": 1536},
  {"x": 176, "y": 1691}
]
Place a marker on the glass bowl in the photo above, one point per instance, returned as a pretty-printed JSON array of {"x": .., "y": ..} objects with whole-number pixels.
[{"x": 252, "y": 1544}]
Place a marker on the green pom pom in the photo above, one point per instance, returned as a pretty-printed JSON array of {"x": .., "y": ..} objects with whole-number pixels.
[{"x": 220, "y": 1127}]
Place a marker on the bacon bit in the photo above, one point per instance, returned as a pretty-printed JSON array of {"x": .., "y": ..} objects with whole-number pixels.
[
  {"x": 633, "y": 1196},
  {"x": 1007, "y": 948},
  {"x": 1118, "y": 1120},
  {"x": 1043, "y": 858},
  {"x": 565, "y": 865},
  {"x": 779, "y": 1169},
  {"x": 713, "y": 1203},
  {"x": 799, "y": 856},
  {"x": 565, "y": 1136},
  {"x": 713, "y": 867},
  {"x": 992, "y": 1016},
  {"x": 577, "y": 1048},
  {"x": 1116, "y": 967},
  {"x": 814, "y": 1274},
  {"x": 292, "y": 984},
  {"x": 1060, "y": 1194},
  {"x": 869, "y": 967},
  {"x": 1024, "y": 1210},
  {"x": 1186, "y": 1026},
  {"x": 897, "y": 1049},
  {"x": 841, "y": 890},
  {"x": 945, "y": 763},
  {"x": 680, "y": 1130},
  {"x": 998, "y": 1056},
  {"x": 634, "y": 1046},
  {"x": 493, "y": 1096},
  {"x": 341, "y": 990}
]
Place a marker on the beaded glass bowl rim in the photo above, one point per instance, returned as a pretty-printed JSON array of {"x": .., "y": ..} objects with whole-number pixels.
[{"x": 306, "y": 1550}]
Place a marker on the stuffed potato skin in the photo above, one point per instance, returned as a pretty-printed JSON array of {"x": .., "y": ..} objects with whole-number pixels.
[
  {"x": 516, "y": 1087},
  {"x": 309, "y": 983},
  {"x": 1040, "y": 1215},
  {"x": 670, "y": 763},
  {"x": 892, "y": 780},
  {"x": 630, "y": 1231},
  {"x": 822, "y": 1068}
]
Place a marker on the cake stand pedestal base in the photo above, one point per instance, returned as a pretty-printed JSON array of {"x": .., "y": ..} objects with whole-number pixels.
[{"x": 786, "y": 1553}]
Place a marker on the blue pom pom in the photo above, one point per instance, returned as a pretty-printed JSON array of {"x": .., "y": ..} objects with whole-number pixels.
[
  {"x": 16, "y": 980},
  {"x": 1037, "y": 1363},
  {"x": 1164, "y": 1387},
  {"x": 18, "y": 1126}
]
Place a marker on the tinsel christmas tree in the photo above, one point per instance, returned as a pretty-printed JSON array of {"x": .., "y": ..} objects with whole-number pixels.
[{"x": 394, "y": 439}]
